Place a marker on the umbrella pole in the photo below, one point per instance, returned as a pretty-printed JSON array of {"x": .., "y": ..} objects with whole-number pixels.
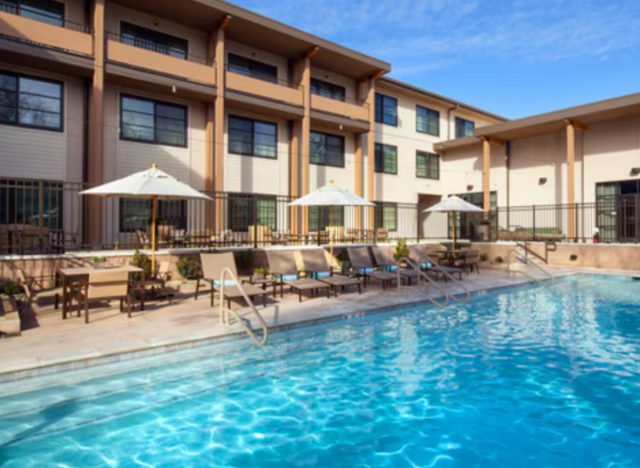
[
  {"x": 331, "y": 231},
  {"x": 455, "y": 221},
  {"x": 154, "y": 209}
]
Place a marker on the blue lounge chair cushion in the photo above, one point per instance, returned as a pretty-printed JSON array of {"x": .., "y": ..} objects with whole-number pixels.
[
  {"x": 366, "y": 271},
  {"x": 288, "y": 277},
  {"x": 390, "y": 268},
  {"x": 228, "y": 283},
  {"x": 426, "y": 265},
  {"x": 320, "y": 274}
]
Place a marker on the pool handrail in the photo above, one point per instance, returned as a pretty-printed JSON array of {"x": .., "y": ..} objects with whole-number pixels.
[
  {"x": 525, "y": 261},
  {"x": 421, "y": 274},
  {"x": 225, "y": 311},
  {"x": 435, "y": 266}
]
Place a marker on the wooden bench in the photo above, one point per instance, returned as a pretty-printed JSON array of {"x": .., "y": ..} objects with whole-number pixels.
[{"x": 9, "y": 317}]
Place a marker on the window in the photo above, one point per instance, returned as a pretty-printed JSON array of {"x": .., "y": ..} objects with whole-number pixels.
[
  {"x": 154, "y": 40},
  {"x": 253, "y": 68},
  {"x": 31, "y": 202},
  {"x": 427, "y": 121},
  {"x": 326, "y": 89},
  {"x": 464, "y": 127},
  {"x": 152, "y": 121},
  {"x": 386, "y": 159},
  {"x": 386, "y": 216},
  {"x": 47, "y": 11},
  {"x": 30, "y": 102},
  {"x": 135, "y": 214},
  {"x": 386, "y": 110},
  {"x": 253, "y": 137},
  {"x": 327, "y": 149},
  {"x": 241, "y": 212},
  {"x": 427, "y": 165},
  {"x": 469, "y": 225},
  {"x": 322, "y": 216}
]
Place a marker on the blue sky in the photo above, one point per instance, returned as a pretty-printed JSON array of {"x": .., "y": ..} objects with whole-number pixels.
[{"x": 514, "y": 58}]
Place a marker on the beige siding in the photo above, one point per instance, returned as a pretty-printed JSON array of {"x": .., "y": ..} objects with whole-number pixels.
[
  {"x": 42, "y": 154},
  {"x": 343, "y": 177}
]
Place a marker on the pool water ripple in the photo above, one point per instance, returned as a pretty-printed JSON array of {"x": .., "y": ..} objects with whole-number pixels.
[{"x": 542, "y": 375}]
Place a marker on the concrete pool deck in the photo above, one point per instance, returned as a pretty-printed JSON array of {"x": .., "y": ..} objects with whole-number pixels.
[{"x": 55, "y": 343}]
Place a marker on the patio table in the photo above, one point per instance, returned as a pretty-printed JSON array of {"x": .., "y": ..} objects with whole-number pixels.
[{"x": 80, "y": 276}]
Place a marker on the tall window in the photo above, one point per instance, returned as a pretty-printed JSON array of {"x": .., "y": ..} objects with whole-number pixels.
[
  {"x": 135, "y": 214},
  {"x": 253, "y": 68},
  {"x": 386, "y": 216},
  {"x": 31, "y": 202},
  {"x": 427, "y": 121},
  {"x": 327, "y": 149},
  {"x": 47, "y": 11},
  {"x": 427, "y": 165},
  {"x": 464, "y": 127},
  {"x": 386, "y": 159},
  {"x": 242, "y": 215},
  {"x": 386, "y": 110},
  {"x": 326, "y": 89},
  {"x": 253, "y": 137},
  {"x": 322, "y": 216},
  {"x": 154, "y": 40},
  {"x": 30, "y": 102},
  {"x": 151, "y": 121}
]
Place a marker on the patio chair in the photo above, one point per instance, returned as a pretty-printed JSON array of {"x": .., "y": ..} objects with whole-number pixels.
[
  {"x": 423, "y": 256},
  {"x": 468, "y": 261},
  {"x": 386, "y": 262},
  {"x": 106, "y": 285},
  {"x": 317, "y": 267},
  {"x": 213, "y": 264},
  {"x": 28, "y": 282},
  {"x": 282, "y": 266},
  {"x": 143, "y": 239},
  {"x": 159, "y": 281},
  {"x": 363, "y": 267}
]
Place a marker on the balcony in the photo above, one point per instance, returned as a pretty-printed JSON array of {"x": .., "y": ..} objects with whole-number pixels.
[
  {"x": 264, "y": 89},
  {"x": 341, "y": 108},
  {"x": 68, "y": 37},
  {"x": 194, "y": 69}
]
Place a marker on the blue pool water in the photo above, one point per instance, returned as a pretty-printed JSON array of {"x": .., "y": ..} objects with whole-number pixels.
[{"x": 545, "y": 375}]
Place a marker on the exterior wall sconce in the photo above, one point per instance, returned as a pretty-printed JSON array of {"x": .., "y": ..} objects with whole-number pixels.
[
  {"x": 542, "y": 180},
  {"x": 635, "y": 171},
  {"x": 469, "y": 188}
]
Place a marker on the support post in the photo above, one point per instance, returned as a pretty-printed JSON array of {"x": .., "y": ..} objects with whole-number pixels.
[
  {"x": 571, "y": 181},
  {"x": 486, "y": 185}
]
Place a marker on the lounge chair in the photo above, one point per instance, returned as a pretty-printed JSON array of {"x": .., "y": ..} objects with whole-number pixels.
[
  {"x": 103, "y": 285},
  {"x": 317, "y": 267},
  {"x": 212, "y": 267},
  {"x": 421, "y": 254},
  {"x": 282, "y": 266},
  {"x": 363, "y": 267},
  {"x": 386, "y": 262}
]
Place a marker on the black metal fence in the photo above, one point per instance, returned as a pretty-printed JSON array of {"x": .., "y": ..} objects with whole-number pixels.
[{"x": 51, "y": 217}]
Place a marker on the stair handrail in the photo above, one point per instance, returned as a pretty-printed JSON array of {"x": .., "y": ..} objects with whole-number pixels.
[
  {"x": 435, "y": 266},
  {"x": 444, "y": 292},
  {"x": 528, "y": 263},
  {"x": 225, "y": 311}
]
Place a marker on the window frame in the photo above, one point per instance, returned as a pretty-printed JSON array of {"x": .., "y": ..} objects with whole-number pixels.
[
  {"x": 379, "y": 109},
  {"x": 155, "y": 103},
  {"x": 253, "y": 132},
  {"x": 253, "y": 200},
  {"x": 332, "y": 87},
  {"x": 19, "y": 8},
  {"x": 428, "y": 111},
  {"x": 429, "y": 156},
  {"x": 463, "y": 121},
  {"x": 49, "y": 191},
  {"x": 183, "y": 217},
  {"x": 323, "y": 213},
  {"x": 379, "y": 151},
  {"x": 156, "y": 45},
  {"x": 326, "y": 163},
  {"x": 17, "y": 123},
  {"x": 232, "y": 56},
  {"x": 378, "y": 215}
]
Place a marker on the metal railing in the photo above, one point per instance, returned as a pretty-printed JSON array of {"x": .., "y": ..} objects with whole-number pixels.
[
  {"x": 157, "y": 48},
  {"x": 435, "y": 266},
  {"x": 424, "y": 276},
  {"x": 525, "y": 261},
  {"x": 225, "y": 312},
  {"x": 40, "y": 15}
]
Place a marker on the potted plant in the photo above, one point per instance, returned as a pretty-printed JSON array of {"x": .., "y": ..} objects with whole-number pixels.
[
  {"x": 98, "y": 261},
  {"x": 142, "y": 260},
  {"x": 401, "y": 251},
  {"x": 259, "y": 273},
  {"x": 188, "y": 267}
]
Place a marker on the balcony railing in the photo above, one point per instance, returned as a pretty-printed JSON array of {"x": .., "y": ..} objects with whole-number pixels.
[
  {"x": 43, "y": 16},
  {"x": 265, "y": 86},
  {"x": 157, "y": 48}
]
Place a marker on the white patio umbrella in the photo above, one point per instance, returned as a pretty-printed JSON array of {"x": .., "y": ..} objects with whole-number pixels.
[
  {"x": 453, "y": 204},
  {"x": 152, "y": 184},
  {"x": 331, "y": 195}
]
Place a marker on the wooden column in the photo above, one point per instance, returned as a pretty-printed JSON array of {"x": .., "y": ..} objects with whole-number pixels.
[
  {"x": 219, "y": 121},
  {"x": 209, "y": 184},
  {"x": 371, "y": 147},
  {"x": 295, "y": 134},
  {"x": 95, "y": 145},
  {"x": 358, "y": 182},
  {"x": 486, "y": 177},
  {"x": 571, "y": 179}
]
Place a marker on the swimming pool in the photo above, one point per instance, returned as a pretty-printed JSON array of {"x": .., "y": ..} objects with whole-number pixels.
[{"x": 537, "y": 375}]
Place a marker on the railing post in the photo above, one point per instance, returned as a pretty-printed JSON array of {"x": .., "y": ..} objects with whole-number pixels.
[
  {"x": 534, "y": 223},
  {"x": 254, "y": 214}
]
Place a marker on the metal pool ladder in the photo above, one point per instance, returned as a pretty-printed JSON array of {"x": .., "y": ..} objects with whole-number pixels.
[
  {"x": 525, "y": 260},
  {"x": 425, "y": 277},
  {"x": 226, "y": 312}
]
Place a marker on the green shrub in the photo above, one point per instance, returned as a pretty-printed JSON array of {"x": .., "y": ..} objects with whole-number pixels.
[
  {"x": 401, "y": 251},
  {"x": 142, "y": 260},
  {"x": 259, "y": 271},
  {"x": 188, "y": 267},
  {"x": 11, "y": 289}
]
